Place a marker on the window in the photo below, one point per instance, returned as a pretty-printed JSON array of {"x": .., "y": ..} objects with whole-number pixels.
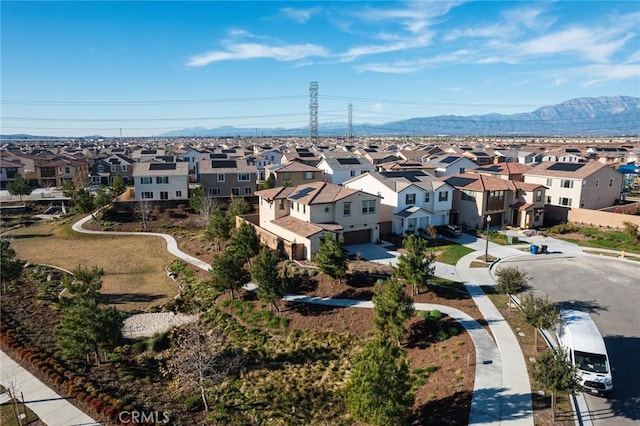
[
  {"x": 281, "y": 205},
  {"x": 563, "y": 201},
  {"x": 114, "y": 168},
  {"x": 462, "y": 169},
  {"x": 368, "y": 206},
  {"x": 100, "y": 168},
  {"x": 427, "y": 197},
  {"x": 538, "y": 195},
  {"x": 352, "y": 173},
  {"x": 247, "y": 190},
  {"x": 164, "y": 195},
  {"x": 67, "y": 170},
  {"x": 286, "y": 176},
  {"x": 568, "y": 183},
  {"x": 549, "y": 182},
  {"x": 147, "y": 195},
  {"x": 443, "y": 196},
  {"x": 346, "y": 209},
  {"x": 297, "y": 207},
  {"x": 220, "y": 177},
  {"x": 244, "y": 177},
  {"x": 410, "y": 199},
  {"x": 467, "y": 195},
  {"x": 214, "y": 191},
  {"x": 162, "y": 179},
  {"x": 304, "y": 208},
  {"x": 145, "y": 180},
  {"x": 124, "y": 168},
  {"x": 235, "y": 191},
  {"x": 548, "y": 201},
  {"x": 178, "y": 193},
  {"x": 309, "y": 175}
]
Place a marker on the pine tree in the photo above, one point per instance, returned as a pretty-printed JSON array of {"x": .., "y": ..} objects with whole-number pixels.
[
  {"x": 330, "y": 258},
  {"x": 10, "y": 267},
  {"x": 219, "y": 227},
  {"x": 245, "y": 241},
  {"x": 379, "y": 389},
  {"x": 416, "y": 266},
  {"x": 266, "y": 273},
  {"x": 392, "y": 307},
  {"x": 228, "y": 272}
]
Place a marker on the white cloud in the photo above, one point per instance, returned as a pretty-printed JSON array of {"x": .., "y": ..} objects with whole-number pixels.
[
  {"x": 300, "y": 16},
  {"x": 602, "y": 72},
  {"x": 237, "y": 51},
  {"x": 387, "y": 68},
  {"x": 410, "y": 43}
]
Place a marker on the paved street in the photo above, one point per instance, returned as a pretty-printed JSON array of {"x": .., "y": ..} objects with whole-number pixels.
[{"x": 610, "y": 290}]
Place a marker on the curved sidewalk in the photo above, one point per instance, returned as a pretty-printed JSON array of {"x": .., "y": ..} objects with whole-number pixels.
[{"x": 50, "y": 407}]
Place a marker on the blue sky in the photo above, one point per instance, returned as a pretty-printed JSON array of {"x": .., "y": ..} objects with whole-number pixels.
[{"x": 146, "y": 67}]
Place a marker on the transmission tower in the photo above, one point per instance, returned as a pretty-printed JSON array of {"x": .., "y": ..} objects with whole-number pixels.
[
  {"x": 313, "y": 111},
  {"x": 350, "y": 123}
]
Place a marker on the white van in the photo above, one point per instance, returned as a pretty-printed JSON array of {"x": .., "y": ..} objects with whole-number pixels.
[{"x": 584, "y": 345}]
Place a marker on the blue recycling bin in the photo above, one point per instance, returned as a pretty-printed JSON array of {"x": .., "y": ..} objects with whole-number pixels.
[{"x": 534, "y": 249}]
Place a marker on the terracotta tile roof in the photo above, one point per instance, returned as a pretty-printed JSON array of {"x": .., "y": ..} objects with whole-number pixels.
[
  {"x": 311, "y": 193},
  {"x": 297, "y": 226},
  {"x": 554, "y": 169}
]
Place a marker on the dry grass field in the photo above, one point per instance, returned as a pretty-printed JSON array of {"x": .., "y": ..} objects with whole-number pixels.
[{"x": 134, "y": 265}]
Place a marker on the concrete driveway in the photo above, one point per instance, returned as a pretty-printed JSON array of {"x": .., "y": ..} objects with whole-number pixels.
[
  {"x": 609, "y": 289},
  {"x": 378, "y": 253}
]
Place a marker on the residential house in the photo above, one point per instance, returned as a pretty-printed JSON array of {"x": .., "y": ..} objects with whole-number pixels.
[
  {"x": 301, "y": 155},
  {"x": 505, "y": 202},
  {"x": 142, "y": 155},
  {"x": 565, "y": 154},
  {"x": 227, "y": 178},
  {"x": 57, "y": 171},
  {"x": 302, "y": 215},
  {"x": 590, "y": 185},
  {"x": 411, "y": 201},
  {"x": 338, "y": 170},
  {"x": 481, "y": 157},
  {"x": 293, "y": 174},
  {"x": 8, "y": 172},
  {"x": 161, "y": 181},
  {"x": 400, "y": 165},
  {"x": 103, "y": 170},
  {"x": 450, "y": 164}
]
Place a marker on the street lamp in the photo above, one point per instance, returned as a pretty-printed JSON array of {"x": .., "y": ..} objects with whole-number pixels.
[{"x": 486, "y": 251}]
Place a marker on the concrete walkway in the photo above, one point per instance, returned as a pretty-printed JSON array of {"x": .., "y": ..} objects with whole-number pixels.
[{"x": 50, "y": 407}]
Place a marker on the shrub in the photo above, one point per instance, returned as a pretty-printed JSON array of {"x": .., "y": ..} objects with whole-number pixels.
[
  {"x": 442, "y": 335},
  {"x": 453, "y": 331},
  {"x": 432, "y": 369},
  {"x": 193, "y": 403},
  {"x": 435, "y": 314}
]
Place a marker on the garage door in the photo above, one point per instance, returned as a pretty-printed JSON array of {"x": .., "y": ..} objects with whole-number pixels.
[{"x": 357, "y": 237}]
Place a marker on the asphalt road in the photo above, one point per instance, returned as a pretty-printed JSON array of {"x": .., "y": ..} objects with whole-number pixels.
[{"x": 609, "y": 290}]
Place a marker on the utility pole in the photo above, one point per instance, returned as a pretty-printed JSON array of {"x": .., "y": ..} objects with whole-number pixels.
[
  {"x": 350, "y": 123},
  {"x": 313, "y": 112}
]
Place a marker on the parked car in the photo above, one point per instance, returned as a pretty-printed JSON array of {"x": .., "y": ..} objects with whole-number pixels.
[{"x": 452, "y": 231}]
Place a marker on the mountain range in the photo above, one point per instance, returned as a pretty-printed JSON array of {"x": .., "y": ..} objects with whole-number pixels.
[{"x": 602, "y": 116}]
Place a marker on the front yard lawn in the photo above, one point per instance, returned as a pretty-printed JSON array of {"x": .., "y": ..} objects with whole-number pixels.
[{"x": 450, "y": 253}]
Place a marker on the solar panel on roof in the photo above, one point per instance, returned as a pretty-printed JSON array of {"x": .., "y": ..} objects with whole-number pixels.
[
  {"x": 411, "y": 176},
  {"x": 459, "y": 181},
  {"x": 305, "y": 154},
  {"x": 572, "y": 150},
  {"x": 148, "y": 151},
  {"x": 489, "y": 169},
  {"x": 565, "y": 167},
  {"x": 162, "y": 166},
  {"x": 449, "y": 159},
  {"x": 219, "y": 156},
  {"x": 302, "y": 150},
  {"x": 345, "y": 161},
  {"x": 223, "y": 164},
  {"x": 229, "y": 151}
]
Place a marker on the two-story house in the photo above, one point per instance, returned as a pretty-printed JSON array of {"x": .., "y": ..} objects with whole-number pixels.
[
  {"x": 60, "y": 170},
  {"x": 227, "y": 178},
  {"x": 302, "y": 215},
  {"x": 103, "y": 170},
  {"x": 506, "y": 171},
  {"x": 450, "y": 164},
  {"x": 8, "y": 172},
  {"x": 411, "y": 201},
  {"x": 590, "y": 185},
  {"x": 338, "y": 170},
  {"x": 293, "y": 174},
  {"x": 506, "y": 202},
  {"x": 161, "y": 181}
]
